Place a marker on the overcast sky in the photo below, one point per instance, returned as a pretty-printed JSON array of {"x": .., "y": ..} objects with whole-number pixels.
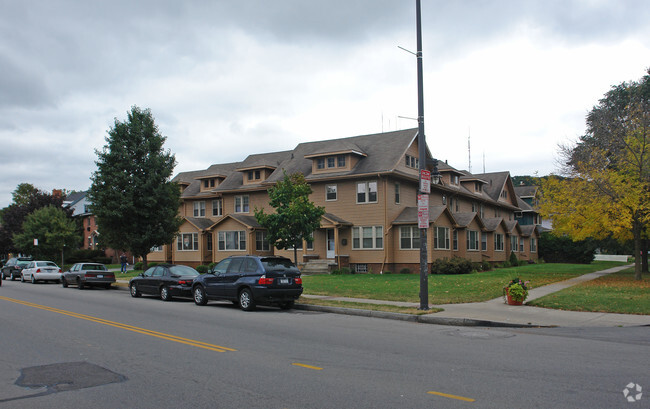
[{"x": 225, "y": 79}]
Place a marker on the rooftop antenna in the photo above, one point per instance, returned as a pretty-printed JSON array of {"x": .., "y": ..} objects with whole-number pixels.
[
  {"x": 483, "y": 161},
  {"x": 469, "y": 151}
]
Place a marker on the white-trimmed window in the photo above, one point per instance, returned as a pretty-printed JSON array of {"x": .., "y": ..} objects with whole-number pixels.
[
  {"x": 331, "y": 192},
  {"x": 483, "y": 241},
  {"x": 472, "y": 240},
  {"x": 521, "y": 245},
  {"x": 261, "y": 241},
  {"x": 498, "y": 242},
  {"x": 397, "y": 193},
  {"x": 514, "y": 243},
  {"x": 341, "y": 161},
  {"x": 455, "y": 240},
  {"x": 217, "y": 207},
  {"x": 368, "y": 237},
  {"x": 331, "y": 161},
  {"x": 320, "y": 163},
  {"x": 409, "y": 237},
  {"x": 156, "y": 248},
  {"x": 367, "y": 192},
  {"x": 533, "y": 245},
  {"x": 412, "y": 162},
  {"x": 241, "y": 204},
  {"x": 187, "y": 242},
  {"x": 441, "y": 238},
  {"x": 232, "y": 240},
  {"x": 199, "y": 209}
]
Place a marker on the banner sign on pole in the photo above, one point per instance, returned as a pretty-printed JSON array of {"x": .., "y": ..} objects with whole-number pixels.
[{"x": 425, "y": 181}]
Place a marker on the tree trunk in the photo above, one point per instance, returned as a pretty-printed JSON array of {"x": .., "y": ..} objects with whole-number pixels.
[
  {"x": 144, "y": 263},
  {"x": 638, "y": 253},
  {"x": 644, "y": 258},
  {"x": 295, "y": 255}
]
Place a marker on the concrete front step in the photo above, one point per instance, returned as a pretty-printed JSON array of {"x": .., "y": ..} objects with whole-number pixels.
[{"x": 318, "y": 266}]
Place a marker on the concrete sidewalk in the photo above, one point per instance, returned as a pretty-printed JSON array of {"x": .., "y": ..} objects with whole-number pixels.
[{"x": 496, "y": 313}]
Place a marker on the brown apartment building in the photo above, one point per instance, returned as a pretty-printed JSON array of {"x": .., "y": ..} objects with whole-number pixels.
[{"x": 368, "y": 187}]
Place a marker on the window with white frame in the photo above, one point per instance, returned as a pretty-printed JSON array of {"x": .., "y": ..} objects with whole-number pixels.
[
  {"x": 472, "y": 239},
  {"x": 331, "y": 192},
  {"x": 514, "y": 243},
  {"x": 455, "y": 240},
  {"x": 217, "y": 207},
  {"x": 474, "y": 207},
  {"x": 361, "y": 268},
  {"x": 232, "y": 240},
  {"x": 320, "y": 163},
  {"x": 397, "y": 193},
  {"x": 156, "y": 248},
  {"x": 444, "y": 200},
  {"x": 409, "y": 237},
  {"x": 187, "y": 242},
  {"x": 498, "y": 242},
  {"x": 368, "y": 237},
  {"x": 208, "y": 241},
  {"x": 483, "y": 241},
  {"x": 331, "y": 162},
  {"x": 454, "y": 180},
  {"x": 241, "y": 204},
  {"x": 412, "y": 162},
  {"x": 521, "y": 245},
  {"x": 341, "y": 161},
  {"x": 533, "y": 245},
  {"x": 441, "y": 238},
  {"x": 261, "y": 241},
  {"x": 367, "y": 192},
  {"x": 199, "y": 209}
]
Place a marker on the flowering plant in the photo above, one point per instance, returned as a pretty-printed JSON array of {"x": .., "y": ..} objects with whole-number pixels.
[{"x": 517, "y": 289}]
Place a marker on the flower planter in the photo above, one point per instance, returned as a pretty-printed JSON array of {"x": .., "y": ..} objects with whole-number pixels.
[{"x": 510, "y": 301}]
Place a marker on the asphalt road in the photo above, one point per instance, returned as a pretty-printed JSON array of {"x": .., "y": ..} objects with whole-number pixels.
[{"x": 66, "y": 348}]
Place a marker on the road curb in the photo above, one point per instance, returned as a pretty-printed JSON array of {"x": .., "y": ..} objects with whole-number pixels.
[{"x": 422, "y": 319}]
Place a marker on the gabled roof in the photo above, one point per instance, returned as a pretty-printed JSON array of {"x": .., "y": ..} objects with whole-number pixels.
[
  {"x": 465, "y": 219},
  {"x": 530, "y": 229},
  {"x": 192, "y": 179},
  {"x": 512, "y": 225},
  {"x": 493, "y": 223},
  {"x": 410, "y": 215},
  {"x": 525, "y": 207},
  {"x": 335, "y": 220},
  {"x": 200, "y": 223},
  {"x": 73, "y": 198},
  {"x": 248, "y": 221},
  {"x": 526, "y": 191},
  {"x": 263, "y": 160}
]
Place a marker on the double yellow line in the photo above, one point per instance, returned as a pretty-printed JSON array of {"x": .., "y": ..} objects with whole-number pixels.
[{"x": 127, "y": 327}]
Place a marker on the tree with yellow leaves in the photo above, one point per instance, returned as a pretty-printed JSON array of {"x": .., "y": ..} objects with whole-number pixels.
[{"x": 607, "y": 188}]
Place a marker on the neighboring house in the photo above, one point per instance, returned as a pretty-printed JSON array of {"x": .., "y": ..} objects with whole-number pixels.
[
  {"x": 81, "y": 208},
  {"x": 528, "y": 203},
  {"x": 368, "y": 186}
]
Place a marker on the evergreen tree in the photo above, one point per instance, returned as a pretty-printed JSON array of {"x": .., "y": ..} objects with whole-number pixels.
[{"x": 133, "y": 198}]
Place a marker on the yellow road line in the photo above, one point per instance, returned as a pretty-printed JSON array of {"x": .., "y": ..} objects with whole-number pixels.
[
  {"x": 161, "y": 335},
  {"x": 446, "y": 395},
  {"x": 307, "y": 366}
]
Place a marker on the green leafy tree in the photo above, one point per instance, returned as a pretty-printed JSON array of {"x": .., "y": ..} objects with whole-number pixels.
[
  {"x": 27, "y": 199},
  {"x": 608, "y": 189},
  {"x": 53, "y": 229},
  {"x": 133, "y": 198},
  {"x": 295, "y": 217}
]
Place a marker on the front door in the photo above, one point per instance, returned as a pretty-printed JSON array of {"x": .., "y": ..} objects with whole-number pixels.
[{"x": 331, "y": 244}]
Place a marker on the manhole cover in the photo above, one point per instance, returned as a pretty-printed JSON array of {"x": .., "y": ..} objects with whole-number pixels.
[{"x": 67, "y": 376}]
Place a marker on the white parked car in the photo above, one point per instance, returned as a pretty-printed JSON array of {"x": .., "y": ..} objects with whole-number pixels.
[{"x": 41, "y": 271}]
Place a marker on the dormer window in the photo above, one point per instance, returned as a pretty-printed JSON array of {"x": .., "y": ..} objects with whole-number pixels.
[
  {"x": 320, "y": 163},
  {"x": 455, "y": 180},
  {"x": 504, "y": 194},
  {"x": 208, "y": 183},
  {"x": 331, "y": 162},
  {"x": 341, "y": 161},
  {"x": 412, "y": 162},
  {"x": 254, "y": 175},
  {"x": 478, "y": 187}
]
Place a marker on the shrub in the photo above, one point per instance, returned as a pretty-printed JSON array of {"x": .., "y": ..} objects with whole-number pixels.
[
  {"x": 202, "y": 269},
  {"x": 513, "y": 259},
  {"x": 138, "y": 265},
  {"x": 405, "y": 270},
  {"x": 211, "y": 265},
  {"x": 456, "y": 265},
  {"x": 81, "y": 255},
  {"x": 486, "y": 266},
  {"x": 561, "y": 249},
  {"x": 343, "y": 270}
]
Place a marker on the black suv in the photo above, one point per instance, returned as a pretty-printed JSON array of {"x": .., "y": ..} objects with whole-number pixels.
[
  {"x": 250, "y": 280},
  {"x": 14, "y": 266}
]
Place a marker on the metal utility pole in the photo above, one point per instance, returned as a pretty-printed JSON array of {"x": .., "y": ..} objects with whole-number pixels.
[{"x": 423, "y": 197}]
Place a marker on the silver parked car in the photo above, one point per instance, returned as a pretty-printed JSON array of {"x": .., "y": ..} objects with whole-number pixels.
[
  {"x": 88, "y": 275},
  {"x": 41, "y": 271}
]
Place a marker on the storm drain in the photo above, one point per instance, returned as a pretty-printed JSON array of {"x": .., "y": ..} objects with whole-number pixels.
[{"x": 67, "y": 376}]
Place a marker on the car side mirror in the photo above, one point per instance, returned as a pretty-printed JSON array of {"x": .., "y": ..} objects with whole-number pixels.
[{"x": 141, "y": 274}]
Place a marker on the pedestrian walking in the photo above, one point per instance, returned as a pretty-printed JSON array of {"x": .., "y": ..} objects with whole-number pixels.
[{"x": 123, "y": 262}]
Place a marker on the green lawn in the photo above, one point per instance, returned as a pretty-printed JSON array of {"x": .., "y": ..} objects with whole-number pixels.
[
  {"x": 444, "y": 289},
  {"x": 617, "y": 292}
]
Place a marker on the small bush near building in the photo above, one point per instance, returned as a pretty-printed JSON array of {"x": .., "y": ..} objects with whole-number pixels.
[
  {"x": 456, "y": 265},
  {"x": 81, "y": 255},
  {"x": 343, "y": 270},
  {"x": 405, "y": 270},
  {"x": 513, "y": 259},
  {"x": 202, "y": 269}
]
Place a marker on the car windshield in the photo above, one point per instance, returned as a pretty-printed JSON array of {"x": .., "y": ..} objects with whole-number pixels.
[
  {"x": 277, "y": 264},
  {"x": 183, "y": 271},
  {"x": 22, "y": 263},
  {"x": 45, "y": 264},
  {"x": 93, "y": 267}
]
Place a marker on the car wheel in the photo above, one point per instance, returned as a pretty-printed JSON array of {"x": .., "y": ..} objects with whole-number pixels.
[
  {"x": 80, "y": 285},
  {"x": 13, "y": 277},
  {"x": 22, "y": 278},
  {"x": 134, "y": 291},
  {"x": 287, "y": 305},
  {"x": 246, "y": 301},
  {"x": 165, "y": 295},
  {"x": 64, "y": 283},
  {"x": 107, "y": 286},
  {"x": 199, "y": 295},
  {"x": 33, "y": 279}
]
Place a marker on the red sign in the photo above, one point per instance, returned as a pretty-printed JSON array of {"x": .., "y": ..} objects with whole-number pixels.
[
  {"x": 425, "y": 181},
  {"x": 423, "y": 211}
]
